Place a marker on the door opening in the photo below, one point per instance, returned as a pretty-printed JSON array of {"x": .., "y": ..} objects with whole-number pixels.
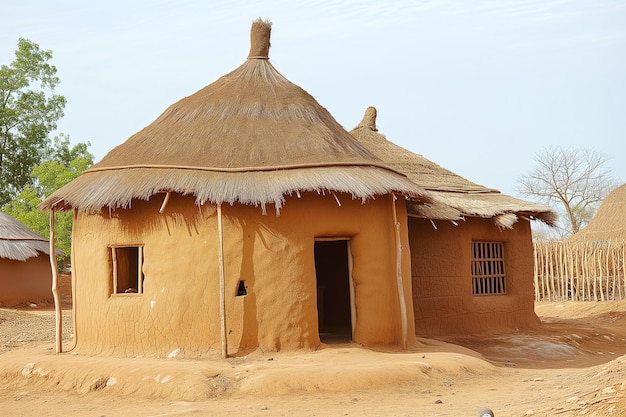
[{"x": 334, "y": 304}]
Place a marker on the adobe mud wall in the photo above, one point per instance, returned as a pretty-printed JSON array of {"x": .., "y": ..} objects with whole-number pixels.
[
  {"x": 178, "y": 311},
  {"x": 25, "y": 282},
  {"x": 441, "y": 277}
]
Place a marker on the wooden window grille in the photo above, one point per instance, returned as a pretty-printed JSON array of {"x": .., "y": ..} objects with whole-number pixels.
[
  {"x": 127, "y": 269},
  {"x": 488, "y": 276}
]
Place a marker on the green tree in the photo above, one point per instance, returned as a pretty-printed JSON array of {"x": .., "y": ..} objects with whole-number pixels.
[
  {"x": 574, "y": 180},
  {"x": 29, "y": 110},
  {"x": 63, "y": 163}
]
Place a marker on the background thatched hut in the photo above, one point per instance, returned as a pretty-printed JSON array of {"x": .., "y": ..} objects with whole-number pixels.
[
  {"x": 471, "y": 265},
  {"x": 25, "y": 273},
  {"x": 609, "y": 222},
  {"x": 175, "y": 250}
]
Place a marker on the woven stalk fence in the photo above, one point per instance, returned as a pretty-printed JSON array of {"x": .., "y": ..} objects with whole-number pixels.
[{"x": 580, "y": 271}]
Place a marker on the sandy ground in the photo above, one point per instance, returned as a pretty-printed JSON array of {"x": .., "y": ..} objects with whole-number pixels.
[{"x": 574, "y": 365}]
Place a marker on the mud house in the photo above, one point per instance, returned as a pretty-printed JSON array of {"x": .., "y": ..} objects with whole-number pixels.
[
  {"x": 243, "y": 217},
  {"x": 25, "y": 273},
  {"x": 472, "y": 264}
]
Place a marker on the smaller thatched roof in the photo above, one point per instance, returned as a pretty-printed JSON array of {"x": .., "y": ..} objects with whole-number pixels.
[
  {"x": 609, "y": 223},
  {"x": 18, "y": 242},
  {"x": 461, "y": 196}
]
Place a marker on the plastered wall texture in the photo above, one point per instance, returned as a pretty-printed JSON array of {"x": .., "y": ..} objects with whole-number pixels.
[
  {"x": 178, "y": 312},
  {"x": 25, "y": 282},
  {"x": 441, "y": 277}
]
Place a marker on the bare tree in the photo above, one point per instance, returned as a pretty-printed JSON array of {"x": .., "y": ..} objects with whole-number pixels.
[{"x": 576, "y": 180}]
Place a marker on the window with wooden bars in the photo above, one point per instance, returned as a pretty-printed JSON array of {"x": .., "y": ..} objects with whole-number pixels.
[
  {"x": 127, "y": 269},
  {"x": 488, "y": 277}
]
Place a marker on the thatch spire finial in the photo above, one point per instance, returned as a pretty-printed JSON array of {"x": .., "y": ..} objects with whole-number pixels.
[
  {"x": 260, "y": 39},
  {"x": 369, "y": 119}
]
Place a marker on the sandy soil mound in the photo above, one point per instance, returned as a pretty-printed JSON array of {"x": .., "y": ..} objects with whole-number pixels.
[{"x": 574, "y": 365}]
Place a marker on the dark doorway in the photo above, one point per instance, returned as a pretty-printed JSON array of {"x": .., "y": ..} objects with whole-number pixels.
[{"x": 333, "y": 290}]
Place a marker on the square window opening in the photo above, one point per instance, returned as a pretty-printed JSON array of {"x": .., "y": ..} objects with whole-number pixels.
[
  {"x": 488, "y": 276},
  {"x": 127, "y": 269}
]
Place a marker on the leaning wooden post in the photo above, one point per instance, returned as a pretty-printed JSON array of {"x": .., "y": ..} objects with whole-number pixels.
[
  {"x": 222, "y": 284},
  {"x": 55, "y": 290}
]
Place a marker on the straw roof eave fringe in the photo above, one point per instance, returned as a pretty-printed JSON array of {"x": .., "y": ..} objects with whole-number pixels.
[
  {"x": 93, "y": 191},
  {"x": 18, "y": 242},
  {"x": 439, "y": 211},
  {"x": 22, "y": 250},
  {"x": 493, "y": 204}
]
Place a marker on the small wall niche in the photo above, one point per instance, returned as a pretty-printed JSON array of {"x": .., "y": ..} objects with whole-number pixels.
[{"x": 241, "y": 289}]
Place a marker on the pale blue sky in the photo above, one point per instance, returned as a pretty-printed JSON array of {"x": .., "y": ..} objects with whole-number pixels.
[{"x": 476, "y": 86}]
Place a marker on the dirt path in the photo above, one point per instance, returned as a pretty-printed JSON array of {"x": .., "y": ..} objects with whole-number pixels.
[{"x": 575, "y": 365}]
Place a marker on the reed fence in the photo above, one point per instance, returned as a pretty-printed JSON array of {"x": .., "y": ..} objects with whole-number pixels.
[{"x": 580, "y": 271}]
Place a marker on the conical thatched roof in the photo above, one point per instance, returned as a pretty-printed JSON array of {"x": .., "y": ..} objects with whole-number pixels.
[
  {"x": 251, "y": 137},
  {"x": 18, "y": 242},
  {"x": 609, "y": 223},
  {"x": 445, "y": 187}
]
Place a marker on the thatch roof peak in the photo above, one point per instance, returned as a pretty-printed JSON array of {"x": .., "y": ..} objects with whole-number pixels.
[
  {"x": 369, "y": 119},
  {"x": 260, "y": 39}
]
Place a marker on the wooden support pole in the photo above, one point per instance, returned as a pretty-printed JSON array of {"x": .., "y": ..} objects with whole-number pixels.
[
  {"x": 403, "y": 313},
  {"x": 222, "y": 281},
  {"x": 55, "y": 289}
]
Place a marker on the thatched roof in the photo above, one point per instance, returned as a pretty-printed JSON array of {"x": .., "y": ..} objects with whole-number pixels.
[
  {"x": 609, "y": 223},
  {"x": 18, "y": 242},
  {"x": 251, "y": 137},
  {"x": 446, "y": 188}
]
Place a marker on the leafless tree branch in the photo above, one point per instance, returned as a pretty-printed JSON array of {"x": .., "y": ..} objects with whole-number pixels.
[{"x": 574, "y": 180}]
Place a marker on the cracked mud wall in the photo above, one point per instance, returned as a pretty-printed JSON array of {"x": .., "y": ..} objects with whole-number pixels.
[
  {"x": 25, "y": 282},
  {"x": 441, "y": 276},
  {"x": 178, "y": 312}
]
